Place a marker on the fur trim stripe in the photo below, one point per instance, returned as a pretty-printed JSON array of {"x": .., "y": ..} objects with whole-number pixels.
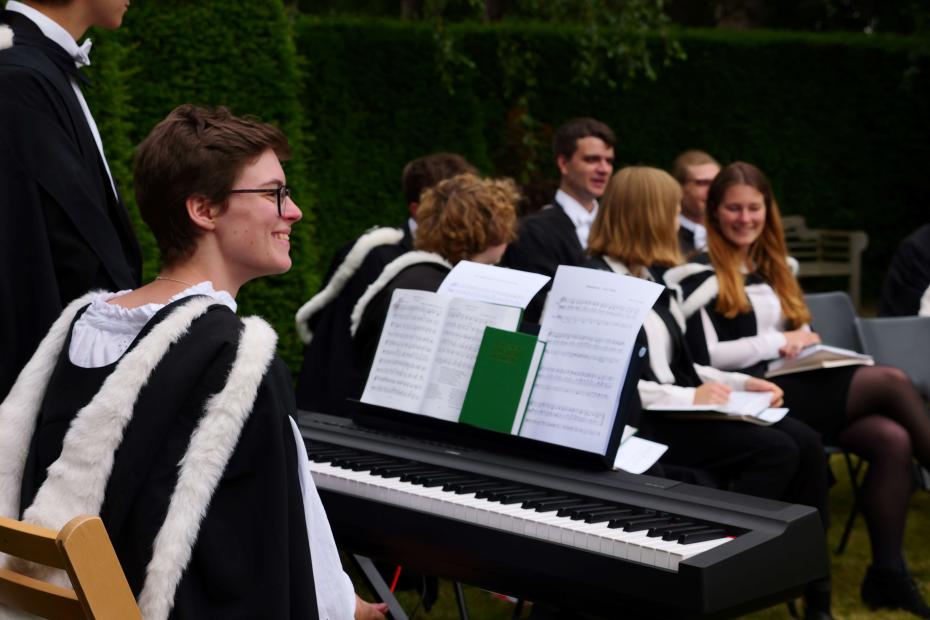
[
  {"x": 353, "y": 260},
  {"x": 19, "y": 410},
  {"x": 675, "y": 275},
  {"x": 76, "y": 482},
  {"x": 211, "y": 446},
  {"x": 702, "y": 295},
  {"x": 390, "y": 272},
  {"x": 6, "y": 37}
]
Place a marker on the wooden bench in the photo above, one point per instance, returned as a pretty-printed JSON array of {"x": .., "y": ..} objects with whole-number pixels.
[{"x": 822, "y": 252}]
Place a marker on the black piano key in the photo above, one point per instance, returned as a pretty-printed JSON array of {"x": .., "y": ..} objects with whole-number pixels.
[
  {"x": 444, "y": 481},
  {"x": 348, "y": 461},
  {"x": 398, "y": 471},
  {"x": 646, "y": 524},
  {"x": 517, "y": 498},
  {"x": 485, "y": 492},
  {"x": 638, "y": 515},
  {"x": 467, "y": 486},
  {"x": 412, "y": 475},
  {"x": 528, "y": 492},
  {"x": 675, "y": 525},
  {"x": 571, "y": 511},
  {"x": 535, "y": 503},
  {"x": 600, "y": 517},
  {"x": 695, "y": 537},
  {"x": 368, "y": 466},
  {"x": 326, "y": 457},
  {"x": 550, "y": 505},
  {"x": 440, "y": 478},
  {"x": 673, "y": 533}
]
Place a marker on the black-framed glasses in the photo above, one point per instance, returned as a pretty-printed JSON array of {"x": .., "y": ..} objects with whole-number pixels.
[{"x": 281, "y": 194}]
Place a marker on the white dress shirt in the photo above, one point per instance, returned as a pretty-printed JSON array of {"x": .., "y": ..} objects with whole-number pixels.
[
  {"x": 699, "y": 231},
  {"x": 59, "y": 35},
  {"x": 580, "y": 217}
]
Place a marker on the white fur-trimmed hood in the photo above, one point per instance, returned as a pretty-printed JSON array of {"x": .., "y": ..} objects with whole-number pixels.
[
  {"x": 353, "y": 260},
  {"x": 77, "y": 481},
  {"x": 390, "y": 272}
]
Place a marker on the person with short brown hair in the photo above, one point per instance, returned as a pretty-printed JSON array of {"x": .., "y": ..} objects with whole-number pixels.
[
  {"x": 557, "y": 234},
  {"x": 63, "y": 227},
  {"x": 328, "y": 374},
  {"x": 462, "y": 218},
  {"x": 162, "y": 411},
  {"x": 694, "y": 170}
]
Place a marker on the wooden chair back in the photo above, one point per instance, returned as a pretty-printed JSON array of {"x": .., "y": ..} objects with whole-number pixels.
[{"x": 83, "y": 550}]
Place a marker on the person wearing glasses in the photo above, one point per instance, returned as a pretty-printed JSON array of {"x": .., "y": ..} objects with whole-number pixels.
[
  {"x": 166, "y": 414},
  {"x": 694, "y": 170}
]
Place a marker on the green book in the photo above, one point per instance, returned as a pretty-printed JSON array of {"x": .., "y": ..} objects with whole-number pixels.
[{"x": 502, "y": 380}]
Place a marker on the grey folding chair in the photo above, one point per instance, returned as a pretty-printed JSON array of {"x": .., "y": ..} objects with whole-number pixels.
[
  {"x": 833, "y": 317},
  {"x": 902, "y": 341}
]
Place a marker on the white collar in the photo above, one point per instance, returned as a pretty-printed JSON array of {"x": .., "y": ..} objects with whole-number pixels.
[
  {"x": 573, "y": 209},
  {"x": 690, "y": 225},
  {"x": 54, "y": 31}
]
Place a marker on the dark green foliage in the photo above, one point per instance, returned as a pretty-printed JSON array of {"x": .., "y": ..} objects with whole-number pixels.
[
  {"x": 237, "y": 54},
  {"x": 831, "y": 119}
]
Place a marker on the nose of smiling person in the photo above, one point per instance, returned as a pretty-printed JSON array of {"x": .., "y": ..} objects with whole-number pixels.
[{"x": 292, "y": 212}]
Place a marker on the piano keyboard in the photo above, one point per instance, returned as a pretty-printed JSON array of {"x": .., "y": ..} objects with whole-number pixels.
[
  {"x": 594, "y": 541},
  {"x": 630, "y": 533}
]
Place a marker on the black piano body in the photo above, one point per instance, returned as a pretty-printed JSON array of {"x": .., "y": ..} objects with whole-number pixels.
[{"x": 776, "y": 547}]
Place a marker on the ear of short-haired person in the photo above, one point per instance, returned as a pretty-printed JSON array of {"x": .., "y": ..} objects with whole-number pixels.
[{"x": 202, "y": 212}]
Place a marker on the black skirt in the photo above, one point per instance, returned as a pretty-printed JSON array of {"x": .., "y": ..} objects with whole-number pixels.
[{"x": 818, "y": 397}]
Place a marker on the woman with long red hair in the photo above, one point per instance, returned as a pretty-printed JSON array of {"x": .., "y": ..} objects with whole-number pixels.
[{"x": 744, "y": 309}]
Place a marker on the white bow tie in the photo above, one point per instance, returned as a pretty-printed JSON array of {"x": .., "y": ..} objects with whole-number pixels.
[{"x": 82, "y": 56}]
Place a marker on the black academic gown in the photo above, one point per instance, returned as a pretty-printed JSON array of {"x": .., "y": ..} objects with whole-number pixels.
[
  {"x": 250, "y": 557},
  {"x": 62, "y": 229},
  {"x": 545, "y": 240},
  {"x": 329, "y": 375},
  {"x": 908, "y": 276}
]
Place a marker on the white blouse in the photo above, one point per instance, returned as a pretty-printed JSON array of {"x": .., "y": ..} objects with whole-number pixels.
[
  {"x": 749, "y": 350},
  {"x": 103, "y": 334}
]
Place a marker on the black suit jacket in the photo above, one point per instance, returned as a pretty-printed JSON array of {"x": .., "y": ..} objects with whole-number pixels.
[
  {"x": 63, "y": 231},
  {"x": 545, "y": 240}
]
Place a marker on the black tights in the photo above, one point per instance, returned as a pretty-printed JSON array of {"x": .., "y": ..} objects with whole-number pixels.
[{"x": 888, "y": 423}]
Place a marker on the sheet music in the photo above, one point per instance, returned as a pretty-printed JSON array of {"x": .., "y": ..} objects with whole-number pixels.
[
  {"x": 636, "y": 455},
  {"x": 590, "y": 326},
  {"x": 458, "y": 349},
  {"x": 496, "y": 285},
  {"x": 408, "y": 344}
]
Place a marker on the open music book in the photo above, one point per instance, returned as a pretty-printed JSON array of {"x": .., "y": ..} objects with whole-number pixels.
[
  {"x": 750, "y": 407},
  {"x": 428, "y": 349},
  {"x": 818, "y": 356}
]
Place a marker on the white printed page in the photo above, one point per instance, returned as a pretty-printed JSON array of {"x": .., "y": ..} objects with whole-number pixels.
[
  {"x": 406, "y": 350},
  {"x": 740, "y": 403},
  {"x": 590, "y": 327},
  {"x": 457, "y": 351},
  {"x": 495, "y": 285}
]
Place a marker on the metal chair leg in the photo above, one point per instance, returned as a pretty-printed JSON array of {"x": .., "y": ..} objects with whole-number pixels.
[
  {"x": 854, "y": 481},
  {"x": 460, "y": 600}
]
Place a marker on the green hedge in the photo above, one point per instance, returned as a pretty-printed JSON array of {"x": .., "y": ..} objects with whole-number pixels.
[
  {"x": 839, "y": 122},
  {"x": 214, "y": 52}
]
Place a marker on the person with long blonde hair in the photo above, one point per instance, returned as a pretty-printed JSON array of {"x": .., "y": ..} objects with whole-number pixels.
[
  {"x": 744, "y": 308},
  {"x": 635, "y": 233}
]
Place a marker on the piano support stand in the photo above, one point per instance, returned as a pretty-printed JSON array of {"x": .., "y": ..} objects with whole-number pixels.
[
  {"x": 378, "y": 586},
  {"x": 460, "y": 601}
]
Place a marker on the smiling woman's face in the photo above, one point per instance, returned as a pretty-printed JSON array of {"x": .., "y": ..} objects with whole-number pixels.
[
  {"x": 741, "y": 215},
  {"x": 253, "y": 239}
]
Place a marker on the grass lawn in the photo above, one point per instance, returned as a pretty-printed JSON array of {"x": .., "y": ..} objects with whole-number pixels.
[{"x": 848, "y": 569}]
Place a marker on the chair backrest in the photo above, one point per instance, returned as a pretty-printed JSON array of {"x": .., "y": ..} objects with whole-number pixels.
[
  {"x": 82, "y": 549},
  {"x": 902, "y": 341},
  {"x": 834, "y": 318}
]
